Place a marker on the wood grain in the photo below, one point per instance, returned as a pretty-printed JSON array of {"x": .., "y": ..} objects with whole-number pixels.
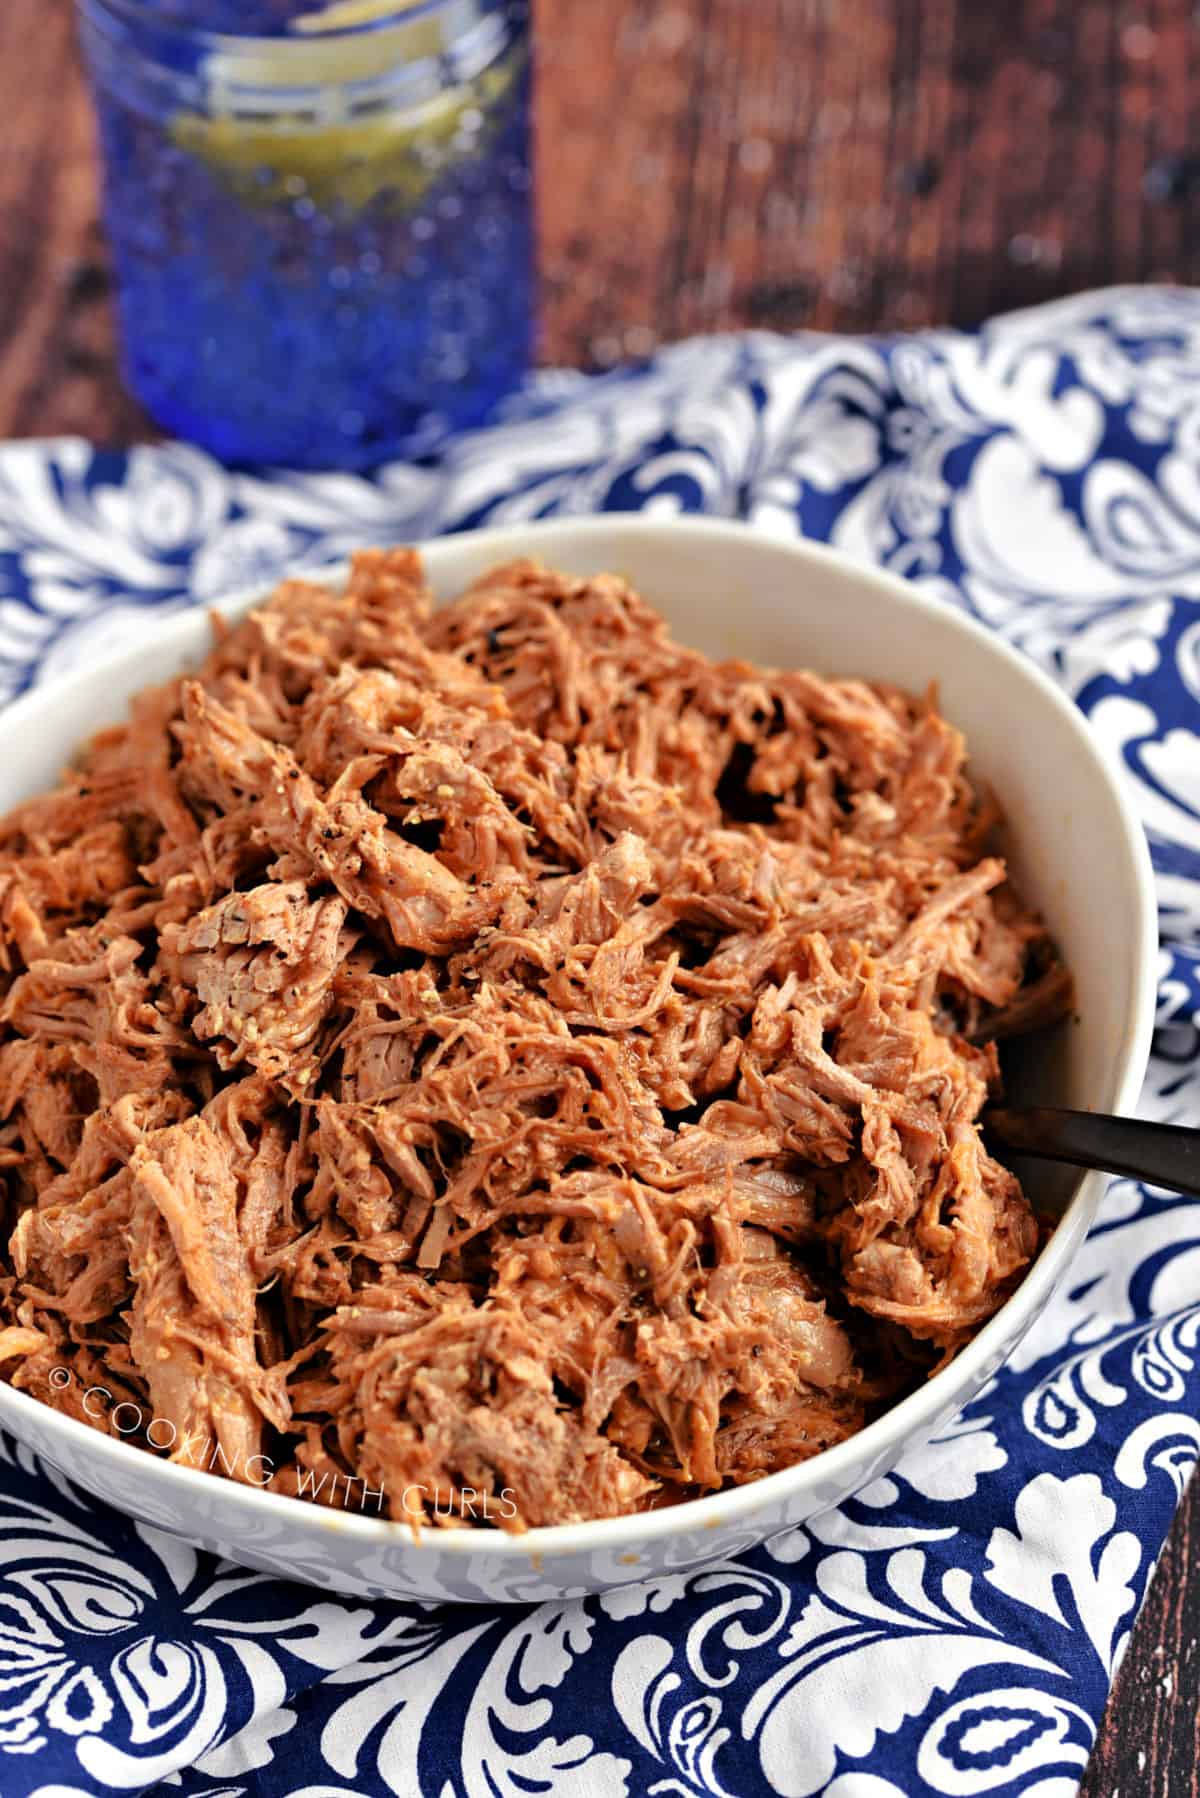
[
  {"x": 850, "y": 165},
  {"x": 1149, "y": 1741}
]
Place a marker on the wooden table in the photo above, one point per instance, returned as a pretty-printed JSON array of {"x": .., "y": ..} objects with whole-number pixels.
[{"x": 845, "y": 164}]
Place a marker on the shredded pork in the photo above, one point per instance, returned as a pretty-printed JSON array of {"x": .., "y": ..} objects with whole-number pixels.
[{"x": 502, "y": 1057}]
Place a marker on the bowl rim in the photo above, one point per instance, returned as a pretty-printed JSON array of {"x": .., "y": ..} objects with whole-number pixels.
[{"x": 915, "y": 1414}]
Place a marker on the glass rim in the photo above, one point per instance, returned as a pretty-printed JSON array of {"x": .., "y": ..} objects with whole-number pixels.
[{"x": 146, "y": 13}]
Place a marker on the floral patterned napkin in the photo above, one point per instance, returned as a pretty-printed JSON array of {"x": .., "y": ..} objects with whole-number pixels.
[{"x": 953, "y": 1630}]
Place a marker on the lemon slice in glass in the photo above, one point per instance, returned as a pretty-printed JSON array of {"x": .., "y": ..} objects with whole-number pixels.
[
  {"x": 319, "y": 117},
  {"x": 342, "y": 15}
]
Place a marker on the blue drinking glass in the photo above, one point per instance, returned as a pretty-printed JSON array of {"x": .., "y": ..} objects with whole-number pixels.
[{"x": 321, "y": 217}]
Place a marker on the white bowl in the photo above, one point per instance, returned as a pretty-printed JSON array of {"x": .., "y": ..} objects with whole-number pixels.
[{"x": 1076, "y": 850}]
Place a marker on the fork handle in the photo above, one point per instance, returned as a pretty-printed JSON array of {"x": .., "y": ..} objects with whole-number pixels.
[{"x": 1159, "y": 1154}]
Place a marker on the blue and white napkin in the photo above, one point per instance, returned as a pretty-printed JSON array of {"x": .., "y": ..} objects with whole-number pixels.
[{"x": 955, "y": 1629}]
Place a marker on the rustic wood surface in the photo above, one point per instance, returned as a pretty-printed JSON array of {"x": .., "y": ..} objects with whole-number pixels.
[{"x": 843, "y": 164}]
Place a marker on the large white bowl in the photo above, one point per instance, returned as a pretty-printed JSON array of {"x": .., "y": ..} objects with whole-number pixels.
[{"x": 1076, "y": 850}]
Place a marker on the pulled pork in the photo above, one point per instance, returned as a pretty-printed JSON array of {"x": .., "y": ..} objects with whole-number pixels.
[{"x": 502, "y": 1057}]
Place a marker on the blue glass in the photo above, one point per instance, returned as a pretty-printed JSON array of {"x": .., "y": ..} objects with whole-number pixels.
[{"x": 322, "y": 230}]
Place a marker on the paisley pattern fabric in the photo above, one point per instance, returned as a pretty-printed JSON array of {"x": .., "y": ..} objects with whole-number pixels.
[{"x": 955, "y": 1629}]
